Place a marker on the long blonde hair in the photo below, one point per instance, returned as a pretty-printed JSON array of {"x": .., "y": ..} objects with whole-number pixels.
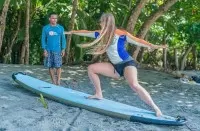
[{"x": 105, "y": 37}]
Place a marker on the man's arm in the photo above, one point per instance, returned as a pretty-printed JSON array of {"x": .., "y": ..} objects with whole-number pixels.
[{"x": 43, "y": 40}]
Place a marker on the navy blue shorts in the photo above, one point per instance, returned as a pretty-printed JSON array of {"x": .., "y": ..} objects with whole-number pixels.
[
  {"x": 53, "y": 60},
  {"x": 120, "y": 67}
]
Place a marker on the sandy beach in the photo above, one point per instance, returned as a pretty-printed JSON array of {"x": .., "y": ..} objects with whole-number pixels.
[{"x": 20, "y": 110}]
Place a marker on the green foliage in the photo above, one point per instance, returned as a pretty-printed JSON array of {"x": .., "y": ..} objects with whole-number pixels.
[{"x": 179, "y": 27}]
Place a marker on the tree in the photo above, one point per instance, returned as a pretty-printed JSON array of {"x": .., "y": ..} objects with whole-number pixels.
[
  {"x": 71, "y": 27},
  {"x": 3, "y": 21},
  {"x": 7, "y": 56},
  {"x": 25, "y": 47},
  {"x": 150, "y": 21},
  {"x": 134, "y": 15}
]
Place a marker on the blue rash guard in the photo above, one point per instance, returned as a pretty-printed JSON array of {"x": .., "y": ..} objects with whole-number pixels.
[{"x": 53, "y": 38}]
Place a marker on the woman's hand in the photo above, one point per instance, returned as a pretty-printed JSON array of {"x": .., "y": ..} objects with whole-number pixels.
[
  {"x": 153, "y": 47},
  {"x": 68, "y": 32},
  {"x": 159, "y": 46},
  {"x": 165, "y": 46}
]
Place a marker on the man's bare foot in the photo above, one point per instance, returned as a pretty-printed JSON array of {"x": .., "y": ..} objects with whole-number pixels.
[
  {"x": 58, "y": 83},
  {"x": 95, "y": 97},
  {"x": 54, "y": 83}
]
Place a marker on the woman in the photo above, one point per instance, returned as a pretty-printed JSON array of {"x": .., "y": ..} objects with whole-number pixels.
[{"x": 112, "y": 41}]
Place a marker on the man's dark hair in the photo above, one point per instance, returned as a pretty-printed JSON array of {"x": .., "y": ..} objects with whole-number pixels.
[{"x": 52, "y": 13}]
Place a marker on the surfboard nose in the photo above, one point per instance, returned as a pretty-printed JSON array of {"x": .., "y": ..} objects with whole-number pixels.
[{"x": 14, "y": 75}]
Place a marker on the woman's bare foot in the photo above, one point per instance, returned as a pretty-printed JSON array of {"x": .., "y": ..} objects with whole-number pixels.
[
  {"x": 158, "y": 112},
  {"x": 97, "y": 97}
]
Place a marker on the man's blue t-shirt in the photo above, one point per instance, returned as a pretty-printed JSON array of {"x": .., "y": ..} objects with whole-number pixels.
[{"x": 53, "y": 38}]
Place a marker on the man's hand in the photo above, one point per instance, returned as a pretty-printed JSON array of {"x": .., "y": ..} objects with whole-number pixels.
[
  {"x": 63, "y": 53},
  {"x": 45, "y": 53}
]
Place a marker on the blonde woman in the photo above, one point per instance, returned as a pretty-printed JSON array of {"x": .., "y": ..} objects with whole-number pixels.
[{"x": 112, "y": 41}]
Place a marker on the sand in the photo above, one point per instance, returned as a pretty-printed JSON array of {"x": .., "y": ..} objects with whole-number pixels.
[{"x": 20, "y": 110}]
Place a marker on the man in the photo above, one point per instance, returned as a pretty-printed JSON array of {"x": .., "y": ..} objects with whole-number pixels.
[{"x": 53, "y": 44}]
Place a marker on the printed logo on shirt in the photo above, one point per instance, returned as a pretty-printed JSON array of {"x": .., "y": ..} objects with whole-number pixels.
[{"x": 51, "y": 33}]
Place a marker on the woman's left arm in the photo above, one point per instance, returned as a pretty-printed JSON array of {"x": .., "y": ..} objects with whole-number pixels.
[{"x": 140, "y": 42}]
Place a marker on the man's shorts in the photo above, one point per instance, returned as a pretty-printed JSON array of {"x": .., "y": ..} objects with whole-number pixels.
[{"x": 53, "y": 60}]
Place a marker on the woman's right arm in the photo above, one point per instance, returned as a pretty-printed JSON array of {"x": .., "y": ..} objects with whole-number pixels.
[{"x": 92, "y": 34}]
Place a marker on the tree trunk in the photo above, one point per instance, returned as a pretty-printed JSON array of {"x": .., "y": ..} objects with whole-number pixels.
[
  {"x": 134, "y": 15},
  {"x": 194, "y": 53},
  {"x": 152, "y": 58},
  {"x": 165, "y": 52},
  {"x": 176, "y": 59},
  {"x": 71, "y": 27},
  {"x": 133, "y": 19},
  {"x": 22, "y": 55},
  {"x": 3, "y": 21},
  {"x": 165, "y": 59},
  {"x": 153, "y": 17},
  {"x": 25, "y": 47},
  {"x": 141, "y": 54},
  {"x": 185, "y": 57},
  {"x": 7, "y": 56},
  {"x": 126, "y": 15},
  {"x": 27, "y": 31}
]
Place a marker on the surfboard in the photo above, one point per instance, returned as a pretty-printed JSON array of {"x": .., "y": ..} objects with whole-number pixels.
[{"x": 107, "y": 107}]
